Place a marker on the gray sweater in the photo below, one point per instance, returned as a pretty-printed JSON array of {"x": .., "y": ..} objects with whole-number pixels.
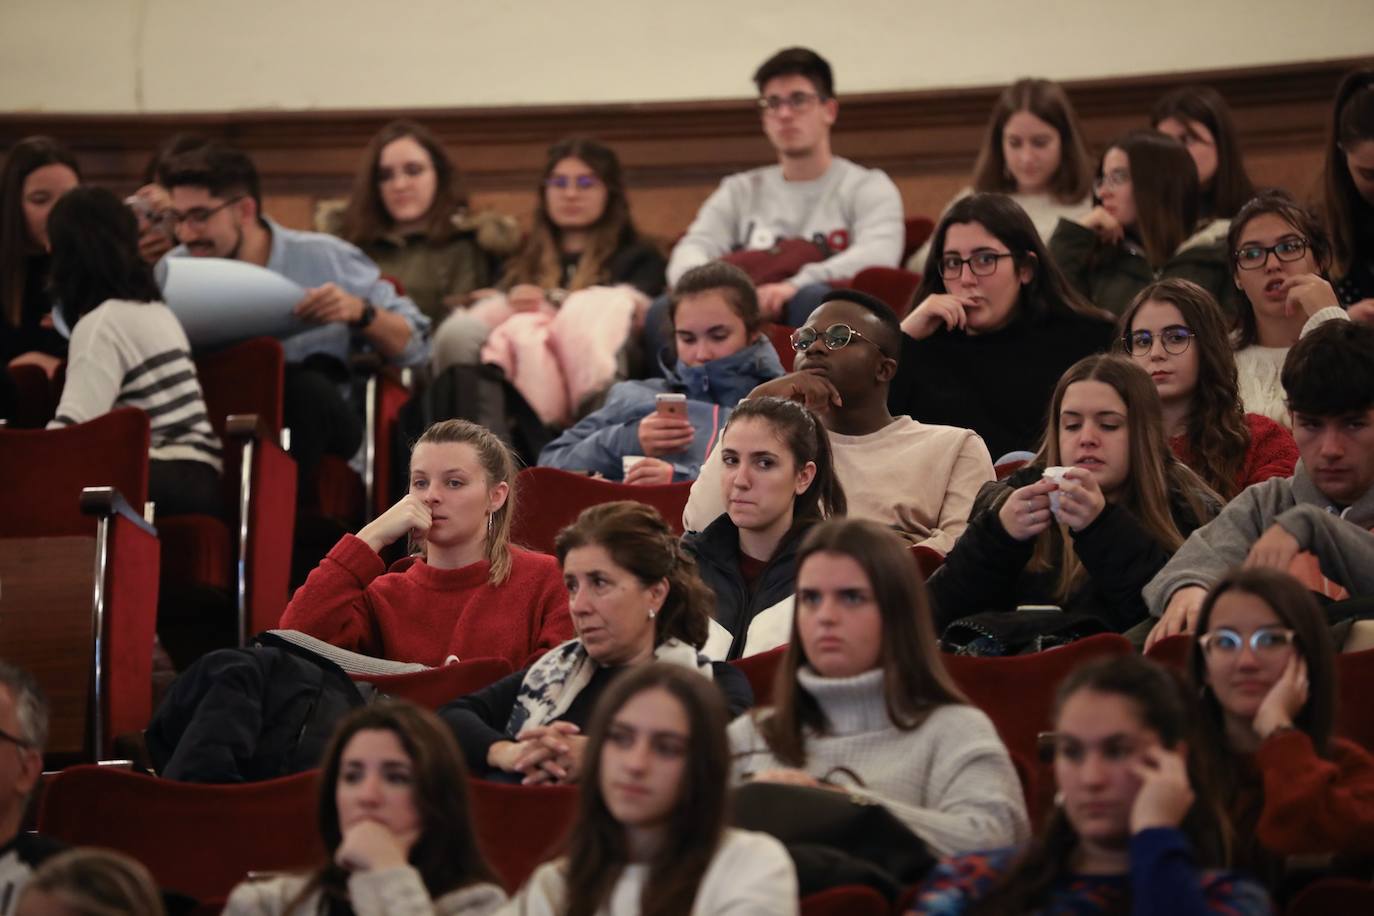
[
  {"x": 950, "y": 780},
  {"x": 1339, "y": 538}
]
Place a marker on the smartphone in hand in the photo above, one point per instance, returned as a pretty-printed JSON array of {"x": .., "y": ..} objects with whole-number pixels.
[{"x": 671, "y": 405}]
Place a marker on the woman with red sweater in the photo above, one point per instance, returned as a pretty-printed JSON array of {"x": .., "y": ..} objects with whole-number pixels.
[
  {"x": 1176, "y": 332},
  {"x": 471, "y": 594},
  {"x": 1267, "y": 671}
]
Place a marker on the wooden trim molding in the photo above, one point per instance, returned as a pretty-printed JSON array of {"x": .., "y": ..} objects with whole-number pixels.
[{"x": 915, "y": 136}]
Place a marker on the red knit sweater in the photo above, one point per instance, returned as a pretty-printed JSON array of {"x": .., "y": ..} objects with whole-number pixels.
[
  {"x": 1314, "y": 806},
  {"x": 1272, "y": 451},
  {"x": 416, "y": 613}
]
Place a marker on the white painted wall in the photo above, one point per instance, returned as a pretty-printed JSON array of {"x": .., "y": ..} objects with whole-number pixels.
[{"x": 222, "y": 55}]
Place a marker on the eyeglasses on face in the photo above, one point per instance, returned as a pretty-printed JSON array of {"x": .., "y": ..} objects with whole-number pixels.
[
  {"x": 798, "y": 101},
  {"x": 1116, "y": 178},
  {"x": 387, "y": 174},
  {"x": 563, "y": 182},
  {"x": 199, "y": 216},
  {"x": 1175, "y": 339},
  {"x": 1253, "y": 257},
  {"x": 1227, "y": 643},
  {"x": 981, "y": 263},
  {"x": 836, "y": 337}
]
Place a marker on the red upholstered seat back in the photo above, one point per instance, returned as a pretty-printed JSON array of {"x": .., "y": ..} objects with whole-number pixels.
[
  {"x": 918, "y": 229},
  {"x": 853, "y": 900},
  {"x": 780, "y": 336},
  {"x": 520, "y": 827},
  {"x": 760, "y": 670},
  {"x": 42, "y": 472},
  {"x": 437, "y": 686},
  {"x": 548, "y": 499},
  {"x": 245, "y": 378},
  {"x": 199, "y": 840},
  {"x": 1354, "y": 685},
  {"x": 1172, "y": 651},
  {"x": 892, "y": 285},
  {"x": 1331, "y": 896}
]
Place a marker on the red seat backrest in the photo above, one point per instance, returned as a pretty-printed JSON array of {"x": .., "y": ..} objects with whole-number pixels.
[
  {"x": 437, "y": 686},
  {"x": 918, "y": 229},
  {"x": 1172, "y": 651},
  {"x": 855, "y": 900},
  {"x": 780, "y": 336},
  {"x": 1354, "y": 685},
  {"x": 245, "y": 378},
  {"x": 760, "y": 670},
  {"x": 42, "y": 472},
  {"x": 199, "y": 840},
  {"x": 548, "y": 499},
  {"x": 35, "y": 397},
  {"x": 520, "y": 827},
  {"x": 892, "y": 285},
  {"x": 1331, "y": 896}
]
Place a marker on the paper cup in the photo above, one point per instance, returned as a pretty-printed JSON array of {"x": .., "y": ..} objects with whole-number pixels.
[
  {"x": 627, "y": 462},
  {"x": 1057, "y": 475}
]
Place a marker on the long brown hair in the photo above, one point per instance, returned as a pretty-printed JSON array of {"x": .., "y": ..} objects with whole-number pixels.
[
  {"x": 915, "y": 682},
  {"x": 540, "y": 260},
  {"x": 1154, "y": 476},
  {"x": 446, "y": 854},
  {"x": 597, "y": 850},
  {"x": 1230, "y": 187},
  {"x": 1165, "y": 189},
  {"x": 1163, "y": 703},
  {"x": 498, "y": 462},
  {"x": 366, "y": 218},
  {"x": 1047, "y": 293},
  {"x": 1297, "y": 610},
  {"x": 1278, "y": 203},
  {"x": 1217, "y": 435},
  {"x": 1348, "y": 214},
  {"x": 1046, "y": 100},
  {"x": 25, "y": 157},
  {"x": 639, "y": 541}
]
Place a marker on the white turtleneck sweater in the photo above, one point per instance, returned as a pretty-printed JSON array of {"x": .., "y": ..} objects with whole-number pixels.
[
  {"x": 950, "y": 780},
  {"x": 1258, "y": 370}
]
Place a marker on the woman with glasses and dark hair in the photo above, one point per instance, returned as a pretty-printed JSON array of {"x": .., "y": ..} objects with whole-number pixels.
[
  {"x": 408, "y": 211},
  {"x": 1348, "y": 192},
  {"x": 1033, "y": 152},
  {"x": 1198, "y": 117},
  {"x": 1174, "y": 330},
  {"x": 1146, "y": 226},
  {"x": 1091, "y": 519},
  {"x": 994, "y": 324},
  {"x": 864, "y": 703},
  {"x": 582, "y": 237},
  {"x": 1279, "y": 255},
  {"x": 1136, "y": 827},
  {"x": 1266, "y": 666}
]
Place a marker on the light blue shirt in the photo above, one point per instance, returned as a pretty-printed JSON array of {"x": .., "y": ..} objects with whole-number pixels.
[{"x": 313, "y": 259}]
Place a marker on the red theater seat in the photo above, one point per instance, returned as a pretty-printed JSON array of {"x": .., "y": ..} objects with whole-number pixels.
[
  {"x": 520, "y": 827},
  {"x": 548, "y": 499},
  {"x": 437, "y": 686}
]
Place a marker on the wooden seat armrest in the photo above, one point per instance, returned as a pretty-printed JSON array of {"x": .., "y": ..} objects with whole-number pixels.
[
  {"x": 238, "y": 426},
  {"x": 108, "y": 501}
]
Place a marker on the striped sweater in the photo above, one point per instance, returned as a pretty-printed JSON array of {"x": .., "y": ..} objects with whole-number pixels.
[{"x": 135, "y": 354}]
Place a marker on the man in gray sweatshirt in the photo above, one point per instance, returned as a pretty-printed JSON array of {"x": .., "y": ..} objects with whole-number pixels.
[
  {"x": 852, "y": 213},
  {"x": 1315, "y": 524}
]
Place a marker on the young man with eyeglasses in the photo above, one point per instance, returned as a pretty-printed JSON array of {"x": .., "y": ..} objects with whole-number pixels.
[
  {"x": 349, "y": 308},
  {"x": 23, "y": 733},
  {"x": 851, "y": 212},
  {"x": 918, "y": 478},
  {"x": 1315, "y": 524}
]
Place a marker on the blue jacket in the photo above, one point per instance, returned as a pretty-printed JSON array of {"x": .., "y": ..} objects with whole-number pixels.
[{"x": 598, "y": 441}]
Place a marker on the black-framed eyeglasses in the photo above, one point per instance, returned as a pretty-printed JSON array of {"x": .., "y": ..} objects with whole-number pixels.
[
  {"x": 198, "y": 216},
  {"x": 581, "y": 182},
  {"x": 1266, "y": 640},
  {"x": 1175, "y": 339},
  {"x": 981, "y": 263},
  {"x": 797, "y": 101},
  {"x": 1253, "y": 257},
  {"x": 836, "y": 337},
  {"x": 15, "y": 740}
]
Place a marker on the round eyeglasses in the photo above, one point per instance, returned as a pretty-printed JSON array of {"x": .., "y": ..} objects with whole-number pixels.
[
  {"x": 836, "y": 337},
  {"x": 981, "y": 263},
  {"x": 1227, "y": 643},
  {"x": 1253, "y": 257},
  {"x": 1175, "y": 339}
]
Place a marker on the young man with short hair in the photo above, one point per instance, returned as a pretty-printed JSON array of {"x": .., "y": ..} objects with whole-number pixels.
[
  {"x": 852, "y": 212},
  {"x": 918, "y": 478},
  {"x": 1315, "y": 524},
  {"x": 349, "y": 308}
]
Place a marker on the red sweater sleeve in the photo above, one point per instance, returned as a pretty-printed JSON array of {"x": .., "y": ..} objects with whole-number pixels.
[
  {"x": 550, "y": 622},
  {"x": 1315, "y": 806},
  {"x": 1272, "y": 451},
  {"x": 333, "y": 604}
]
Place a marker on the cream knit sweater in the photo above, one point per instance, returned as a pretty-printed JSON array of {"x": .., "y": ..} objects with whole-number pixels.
[{"x": 950, "y": 780}]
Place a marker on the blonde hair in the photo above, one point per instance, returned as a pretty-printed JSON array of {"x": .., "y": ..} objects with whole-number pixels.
[
  {"x": 98, "y": 882},
  {"x": 499, "y": 465}
]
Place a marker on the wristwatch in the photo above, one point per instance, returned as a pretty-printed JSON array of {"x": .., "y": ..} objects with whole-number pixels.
[{"x": 368, "y": 316}]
